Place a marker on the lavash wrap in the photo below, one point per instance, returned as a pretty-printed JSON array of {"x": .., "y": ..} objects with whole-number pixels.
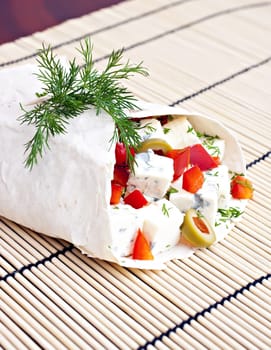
[{"x": 67, "y": 194}]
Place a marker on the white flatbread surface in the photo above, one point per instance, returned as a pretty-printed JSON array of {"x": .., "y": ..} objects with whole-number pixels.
[{"x": 67, "y": 194}]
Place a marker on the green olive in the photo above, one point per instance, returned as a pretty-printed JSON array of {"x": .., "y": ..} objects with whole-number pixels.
[
  {"x": 196, "y": 230},
  {"x": 155, "y": 144}
]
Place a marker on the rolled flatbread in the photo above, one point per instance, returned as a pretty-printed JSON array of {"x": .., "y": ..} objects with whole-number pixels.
[{"x": 67, "y": 194}]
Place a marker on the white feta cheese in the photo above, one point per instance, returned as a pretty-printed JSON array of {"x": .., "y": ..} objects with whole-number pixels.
[
  {"x": 220, "y": 178},
  {"x": 162, "y": 225},
  {"x": 125, "y": 222},
  {"x": 183, "y": 200},
  {"x": 152, "y": 174},
  {"x": 150, "y": 128},
  {"x": 178, "y": 135},
  {"x": 208, "y": 203},
  {"x": 215, "y": 193},
  {"x": 178, "y": 184}
]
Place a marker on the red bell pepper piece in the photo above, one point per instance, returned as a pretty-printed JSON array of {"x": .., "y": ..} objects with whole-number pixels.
[
  {"x": 116, "y": 192},
  {"x": 217, "y": 160},
  {"x": 181, "y": 160},
  {"x": 200, "y": 157},
  {"x": 121, "y": 175},
  {"x": 241, "y": 188},
  {"x": 121, "y": 154},
  {"x": 142, "y": 250},
  {"x": 193, "y": 179},
  {"x": 164, "y": 119},
  {"x": 136, "y": 199}
]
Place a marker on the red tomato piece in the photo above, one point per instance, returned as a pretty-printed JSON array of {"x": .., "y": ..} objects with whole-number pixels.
[
  {"x": 136, "y": 199},
  {"x": 121, "y": 154},
  {"x": 193, "y": 179},
  {"x": 121, "y": 175},
  {"x": 241, "y": 188},
  {"x": 142, "y": 250},
  {"x": 116, "y": 192},
  {"x": 200, "y": 157},
  {"x": 181, "y": 160}
]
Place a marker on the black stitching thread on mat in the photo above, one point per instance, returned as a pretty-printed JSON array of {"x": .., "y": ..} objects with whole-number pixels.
[
  {"x": 39, "y": 262},
  {"x": 263, "y": 157},
  {"x": 191, "y": 24},
  {"x": 203, "y": 312},
  {"x": 222, "y": 81},
  {"x": 156, "y": 37},
  {"x": 101, "y": 30}
]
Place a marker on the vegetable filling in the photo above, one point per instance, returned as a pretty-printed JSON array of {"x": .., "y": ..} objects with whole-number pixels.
[{"x": 178, "y": 186}]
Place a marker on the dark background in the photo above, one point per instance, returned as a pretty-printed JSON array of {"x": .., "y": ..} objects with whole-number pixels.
[{"x": 24, "y": 17}]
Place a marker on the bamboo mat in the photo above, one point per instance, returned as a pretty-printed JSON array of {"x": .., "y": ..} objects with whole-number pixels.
[{"x": 205, "y": 55}]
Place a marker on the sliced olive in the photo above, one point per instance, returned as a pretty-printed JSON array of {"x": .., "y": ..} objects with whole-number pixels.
[
  {"x": 196, "y": 230},
  {"x": 155, "y": 144}
]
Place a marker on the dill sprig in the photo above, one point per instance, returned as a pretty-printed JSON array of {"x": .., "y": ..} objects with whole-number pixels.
[
  {"x": 207, "y": 140},
  {"x": 165, "y": 210},
  {"x": 230, "y": 213},
  {"x": 69, "y": 91}
]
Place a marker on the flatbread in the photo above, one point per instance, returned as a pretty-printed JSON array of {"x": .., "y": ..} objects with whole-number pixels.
[{"x": 67, "y": 194}]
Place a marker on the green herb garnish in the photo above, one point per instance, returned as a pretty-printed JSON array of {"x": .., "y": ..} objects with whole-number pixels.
[
  {"x": 190, "y": 129},
  {"x": 210, "y": 173},
  {"x": 208, "y": 141},
  {"x": 67, "y": 92},
  {"x": 172, "y": 190},
  {"x": 230, "y": 213},
  {"x": 165, "y": 210},
  {"x": 199, "y": 214},
  {"x": 234, "y": 174},
  {"x": 148, "y": 128},
  {"x": 166, "y": 130}
]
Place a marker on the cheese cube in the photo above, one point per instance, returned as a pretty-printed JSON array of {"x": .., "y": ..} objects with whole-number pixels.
[
  {"x": 220, "y": 178},
  {"x": 162, "y": 225},
  {"x": 124, "y": 222},
  {"x": 215, "y": 192},
  {"x": 178, "y": 135},
  {"x": 208, "y": 203},
  {"x": 151, "y": 128},
  {"x": 152, "y": 174},
  {"x": 177, "y": 184},
  {"x": 183, "y": 200}
]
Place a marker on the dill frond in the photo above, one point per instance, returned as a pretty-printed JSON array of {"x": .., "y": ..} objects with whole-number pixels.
[{"x": 67, "y": 92}]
